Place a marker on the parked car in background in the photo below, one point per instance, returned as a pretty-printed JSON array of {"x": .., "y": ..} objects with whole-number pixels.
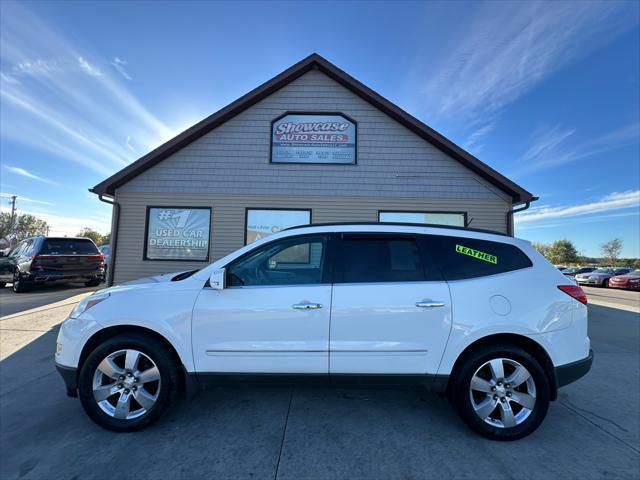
[
  {"x": 573, "y": 271},
  {"x": 560, "y": 267},
  {"x": 39, "y": 260},
  {"x": 630, "y": 281},
  {"x": 6, "y": 273},
  {"x": 441, "y": 308},
  {"x": 600, "y": 277},
  {"x": 104, "y": 250}
]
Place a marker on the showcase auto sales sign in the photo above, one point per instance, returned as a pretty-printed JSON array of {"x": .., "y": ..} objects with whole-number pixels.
[{"x": 308, "y": 138}]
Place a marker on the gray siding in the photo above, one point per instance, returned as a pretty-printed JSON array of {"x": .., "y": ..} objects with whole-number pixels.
[
  {"x": 392, "y": 160},
  {"x": 228, "y": 214}
]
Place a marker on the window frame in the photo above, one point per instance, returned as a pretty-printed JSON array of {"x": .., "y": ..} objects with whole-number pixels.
[
  {"x": 464, "y": 214},
  {"x": 276, "y": 209},
  {"x": 430, "y": 271},
  {"x": 327, "y": 267},
  {"x": 175, "y": 207}
]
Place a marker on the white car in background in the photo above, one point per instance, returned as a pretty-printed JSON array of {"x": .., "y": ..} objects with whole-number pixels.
[{"x": 480, "y": 316}]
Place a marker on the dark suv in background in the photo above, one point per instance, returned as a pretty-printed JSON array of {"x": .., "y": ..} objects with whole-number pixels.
[{"x": 38, "y": 260}]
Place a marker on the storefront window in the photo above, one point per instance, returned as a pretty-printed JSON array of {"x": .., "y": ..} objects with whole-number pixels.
[
  {"x": 455, "y": 219},
  {"x": 176, "y": 233},
  {"x": 261, "y": 223}
]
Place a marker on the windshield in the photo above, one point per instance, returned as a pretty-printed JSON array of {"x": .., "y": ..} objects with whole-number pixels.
[{"x": 604, "y": 270}]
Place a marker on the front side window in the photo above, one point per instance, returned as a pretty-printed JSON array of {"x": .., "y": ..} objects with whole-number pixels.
[
  {"x": 459, "y": 258},
  {"x": 290, "y": 261},
  {"x": 455, "y": 219},
  {"x": 384, "y": 258},
  {"x": 261, "y": 223}
]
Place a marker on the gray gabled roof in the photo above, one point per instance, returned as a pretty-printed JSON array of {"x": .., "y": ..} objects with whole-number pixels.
[{"x": 108, "y": 186}]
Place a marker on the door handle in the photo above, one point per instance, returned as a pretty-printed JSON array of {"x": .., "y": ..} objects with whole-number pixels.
[
  {"x": 306, "y": 306},
  {"x": 429, "y": 304}
]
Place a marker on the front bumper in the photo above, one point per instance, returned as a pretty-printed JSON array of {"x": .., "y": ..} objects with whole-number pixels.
[
  {"x": 625, "y": 286},
  {"x": 589, "y": 281},
  {"x": 569, "y": 373},
  {"x": 70, "y": 377}
]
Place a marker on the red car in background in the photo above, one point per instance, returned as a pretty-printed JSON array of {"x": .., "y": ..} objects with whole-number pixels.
[{"x": 630, "y": 281}]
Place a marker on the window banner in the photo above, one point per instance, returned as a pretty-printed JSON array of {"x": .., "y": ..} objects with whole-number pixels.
[{"x": 177, "y": 233}]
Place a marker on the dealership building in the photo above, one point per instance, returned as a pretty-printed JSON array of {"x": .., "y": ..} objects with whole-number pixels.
[{"x": 311, "y": 145}]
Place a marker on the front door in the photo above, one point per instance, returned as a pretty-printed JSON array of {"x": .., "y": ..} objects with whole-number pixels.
[
  {"x": 273, "y": 316},
  {"x": 391, "y": 313}
]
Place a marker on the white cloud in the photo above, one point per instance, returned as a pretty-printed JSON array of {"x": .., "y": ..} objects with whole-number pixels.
[
  {"x": 62, "y": 225},
  {"x": 20, "y": 198},
  {"x": 612, "y": 202},
  {"x": 119, "y": 64},
  {"x": 88, "y": 68},
  {"x": 510, "y": 47},
  {"x": 558, "y": 146},
  {"x": 25, "y": 173},
  {"x": 57, "y": 100}
]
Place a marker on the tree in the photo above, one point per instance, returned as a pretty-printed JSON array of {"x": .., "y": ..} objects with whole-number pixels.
[
  {"x": 25, "y": 225},
  {"x": 542, "y": 248},
  {"x": 562, "y": 252},
  {"x": 92, "y": 234},
  {"x": 611, "y": 250}
]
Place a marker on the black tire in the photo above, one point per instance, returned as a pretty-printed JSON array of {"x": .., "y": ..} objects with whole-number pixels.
[
  {"x": 3, "y": 284},
  {"x": 20, "y": 286},
  {"x": 93, "y": 283},
  {"x": 154, "y": 350},
  {"x": 460, "y": 395},
  {"x": 605, "y": 283}
]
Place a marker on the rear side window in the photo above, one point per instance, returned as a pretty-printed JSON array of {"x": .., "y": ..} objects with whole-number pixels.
[
  {"x": 459, "y": 258},
  {"x": 68, "y": 246},
  {"x": 370, "y": 258}
]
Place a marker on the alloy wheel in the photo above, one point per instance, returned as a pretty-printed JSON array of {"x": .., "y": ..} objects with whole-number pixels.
[
  {"x": 503, "y": 393},
  {"x": 126, "y": 384}
]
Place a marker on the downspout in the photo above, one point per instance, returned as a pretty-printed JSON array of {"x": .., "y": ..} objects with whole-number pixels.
[
  {"x": 114, "y": 237},
  {"x": 516, "y": 210}
]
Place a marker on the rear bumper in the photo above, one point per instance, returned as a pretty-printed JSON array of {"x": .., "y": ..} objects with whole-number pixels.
[
  {"x": 47, "y": 276},
  {"x": 70, "y": 377},
  {"x": 569, "y": 373}
]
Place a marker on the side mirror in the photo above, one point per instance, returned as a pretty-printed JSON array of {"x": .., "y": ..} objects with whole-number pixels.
[{"x": 217, "y": 279}]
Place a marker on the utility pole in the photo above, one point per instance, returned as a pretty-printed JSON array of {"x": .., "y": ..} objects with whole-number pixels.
[{"x": 12, "y": 221}]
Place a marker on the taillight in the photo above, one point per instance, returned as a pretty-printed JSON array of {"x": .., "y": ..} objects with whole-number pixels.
[
  {"x": 574, "y": 291},
  {"x": 99, "y": 256},
  {"x": 36, "y": 261}
]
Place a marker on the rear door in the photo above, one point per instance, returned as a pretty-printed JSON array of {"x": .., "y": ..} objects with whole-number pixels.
[
  {"x": 69, "y": 255},
  {"x": 391, "y": 311}
]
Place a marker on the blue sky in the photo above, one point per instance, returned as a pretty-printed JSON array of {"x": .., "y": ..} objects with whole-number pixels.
[{"x": 546, "y": 93}]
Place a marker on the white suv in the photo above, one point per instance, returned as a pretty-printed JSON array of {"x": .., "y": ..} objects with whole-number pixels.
[{"x": 480, "y": 316}]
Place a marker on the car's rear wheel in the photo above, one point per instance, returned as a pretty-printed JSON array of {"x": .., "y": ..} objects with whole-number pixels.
[
  {"x": 126, "y": 382},
  {"x": 502, "y": 392},
  {"x": 93, "y": 283},
  {"x": 19, "y": 285}
]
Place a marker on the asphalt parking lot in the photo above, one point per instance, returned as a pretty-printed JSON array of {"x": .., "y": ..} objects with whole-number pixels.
[{"x": 592, "y": 431}]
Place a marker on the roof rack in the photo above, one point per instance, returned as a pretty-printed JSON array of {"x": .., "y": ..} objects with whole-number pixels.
[{"x": 402, "y": 224}]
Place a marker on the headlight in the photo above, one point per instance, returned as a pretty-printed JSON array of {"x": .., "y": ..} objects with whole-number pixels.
[{"x": 87, "y": 303}]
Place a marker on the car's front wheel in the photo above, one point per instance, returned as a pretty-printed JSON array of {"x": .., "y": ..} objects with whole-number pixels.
[
  {"x": 502, "y": 392},
  {"x": 126, "y": 382},
  {"x": 93, "y": 283}
]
